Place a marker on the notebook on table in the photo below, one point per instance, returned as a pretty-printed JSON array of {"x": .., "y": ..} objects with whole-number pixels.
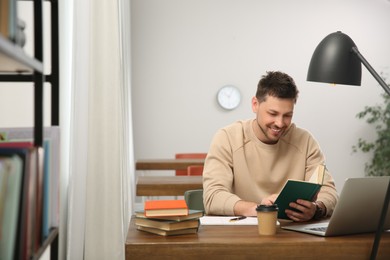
[{"x": 357, "y": 211}]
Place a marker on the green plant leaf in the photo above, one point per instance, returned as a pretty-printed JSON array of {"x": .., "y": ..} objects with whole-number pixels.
[{"x": 379, "y": 117}]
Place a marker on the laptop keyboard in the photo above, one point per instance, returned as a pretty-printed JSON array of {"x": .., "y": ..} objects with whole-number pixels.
[{"x": 318, "y": 228}]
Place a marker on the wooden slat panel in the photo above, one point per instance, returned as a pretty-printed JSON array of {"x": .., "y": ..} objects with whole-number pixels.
[
  {"x": 166, "y": 164},
  {"x": 167, "y": 185}
]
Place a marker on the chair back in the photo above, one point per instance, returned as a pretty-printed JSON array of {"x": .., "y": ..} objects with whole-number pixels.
[
  {"x": 188, "y": 156},
  {"x": 195, "y": 170},
  {"x": 194, "y": 199}
]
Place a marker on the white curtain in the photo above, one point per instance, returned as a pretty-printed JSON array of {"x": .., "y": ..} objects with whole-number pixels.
[{"x": 101, "y": 166}]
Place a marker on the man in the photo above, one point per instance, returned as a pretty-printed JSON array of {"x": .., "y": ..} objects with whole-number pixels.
[{"x": 249, "y": 161}]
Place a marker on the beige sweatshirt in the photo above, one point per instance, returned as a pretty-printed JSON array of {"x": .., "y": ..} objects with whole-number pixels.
[{"x": 240, "y": 167}]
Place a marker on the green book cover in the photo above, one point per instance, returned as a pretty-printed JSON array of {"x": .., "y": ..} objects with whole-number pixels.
[{"x": 293, "y": 190}]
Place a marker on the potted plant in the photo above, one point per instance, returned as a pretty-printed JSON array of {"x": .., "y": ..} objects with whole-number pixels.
[{"x": 379, "y": 117}]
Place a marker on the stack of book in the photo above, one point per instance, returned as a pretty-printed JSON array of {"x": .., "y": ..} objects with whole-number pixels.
[{"x": 168, "y": 217}]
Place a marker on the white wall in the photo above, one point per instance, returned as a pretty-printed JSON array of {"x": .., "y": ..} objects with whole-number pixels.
[{"x": 183, "y": 51}]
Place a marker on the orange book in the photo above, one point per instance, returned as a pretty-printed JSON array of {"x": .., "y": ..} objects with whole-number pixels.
[{"x": 154, "y": 208}]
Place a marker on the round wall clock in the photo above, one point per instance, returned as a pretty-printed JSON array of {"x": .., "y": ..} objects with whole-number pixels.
[{"x": 229, "y": 97}]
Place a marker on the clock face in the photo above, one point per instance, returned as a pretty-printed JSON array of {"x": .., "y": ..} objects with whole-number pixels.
[{"x": 229, "y": 97}]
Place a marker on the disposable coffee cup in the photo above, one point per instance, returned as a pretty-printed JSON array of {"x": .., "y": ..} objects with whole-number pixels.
[{"x": 267, "y": 218}]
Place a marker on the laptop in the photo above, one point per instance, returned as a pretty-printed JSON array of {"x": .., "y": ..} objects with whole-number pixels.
[{"x": 357, "y": 211}]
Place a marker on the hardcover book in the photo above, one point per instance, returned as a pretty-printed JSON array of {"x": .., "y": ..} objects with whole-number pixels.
[
  {"x": 292, "y": 191},
  {"x": 154, "y": 208},
  {"x": 192, "y": 214},
  {"x": 168, "y": 233},
  {"x": 297, "y": 189},
  {"x": 11, "y": 176},
  {"x": 167, "y": 225}
]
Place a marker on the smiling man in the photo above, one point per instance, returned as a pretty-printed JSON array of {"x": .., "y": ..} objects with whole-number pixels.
[{"x": 249, "y": 161}]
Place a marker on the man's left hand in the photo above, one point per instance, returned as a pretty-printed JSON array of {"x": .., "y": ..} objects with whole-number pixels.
[{"x": 306, "y": 210}]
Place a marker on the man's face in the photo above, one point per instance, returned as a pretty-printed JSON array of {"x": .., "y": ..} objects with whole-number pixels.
[{"x": 273, "y": 117}]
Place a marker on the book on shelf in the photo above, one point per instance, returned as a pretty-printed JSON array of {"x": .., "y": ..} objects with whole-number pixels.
[
  {"x": 40, "y": 201},
  {"x": 154, "y": 208},
  {"x": 168, "y": 232},
  {"x": 11, "y": 176},
  {"x": 5, "y": 17},
  {"x": 298, "y": 189},
  {"x": 11, "y": 27},
  {"x": 5, "y": 144},
  {"x": 20, "y": 137},
  {"x": 29, "y": 205},
  {"x": 166, "y": 224},
  {"x": 8, "y": 18},
  {"x": 27, "y": 232},
  {"x": 46, "y": 190},
  {"x": 39, "y": 163},
  {"x": 192, "y": 214}
]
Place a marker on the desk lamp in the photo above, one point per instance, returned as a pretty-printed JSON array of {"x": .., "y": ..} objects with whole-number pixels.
[{"x": 337, "y": 60}]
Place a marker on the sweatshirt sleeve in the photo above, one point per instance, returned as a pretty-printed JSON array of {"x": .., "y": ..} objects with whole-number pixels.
[{"x": 219, "y": 198}]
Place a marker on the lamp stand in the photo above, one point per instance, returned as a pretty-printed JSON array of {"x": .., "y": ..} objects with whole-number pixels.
[
  {"x": 381, "y": 224},
  {"x": 385, "y": 206}
]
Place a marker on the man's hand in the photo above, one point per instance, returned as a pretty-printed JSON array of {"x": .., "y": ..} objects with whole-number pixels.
[
  {"x": 245, "y": 208},
  {"x": 306, "y": 209},
  {"x": 269, "y": 200},
  {"x": 248, "y": 209}
]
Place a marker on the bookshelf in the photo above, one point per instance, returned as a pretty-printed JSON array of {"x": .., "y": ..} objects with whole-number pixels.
[{"x": 16, "y": 66}]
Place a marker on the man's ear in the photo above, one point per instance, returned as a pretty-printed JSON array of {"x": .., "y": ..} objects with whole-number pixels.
[{"x": 255, "y": 104}]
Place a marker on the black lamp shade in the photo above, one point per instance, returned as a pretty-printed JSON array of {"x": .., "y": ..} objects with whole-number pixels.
[{"x": 333, "y": 61}]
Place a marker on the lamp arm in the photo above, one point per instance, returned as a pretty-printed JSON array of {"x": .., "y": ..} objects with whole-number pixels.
[{"x": 371, "y": 70}]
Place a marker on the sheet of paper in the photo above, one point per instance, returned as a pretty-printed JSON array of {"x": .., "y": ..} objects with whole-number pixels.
[{"x": 225, "y": 220}]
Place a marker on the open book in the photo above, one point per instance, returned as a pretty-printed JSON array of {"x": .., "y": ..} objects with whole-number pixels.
[{"x": 297, "y": 189}]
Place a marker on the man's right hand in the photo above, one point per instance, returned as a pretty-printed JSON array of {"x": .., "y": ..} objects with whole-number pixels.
[
  {"x": 245, "y": 208},
  {"x": 269, "y": 200}
]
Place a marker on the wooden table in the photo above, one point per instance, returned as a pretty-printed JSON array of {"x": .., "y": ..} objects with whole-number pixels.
[
  {"x": 167, "y": 185},
  {"x": 243, "y": 242},
  {"x": 166, "y": 164}
]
